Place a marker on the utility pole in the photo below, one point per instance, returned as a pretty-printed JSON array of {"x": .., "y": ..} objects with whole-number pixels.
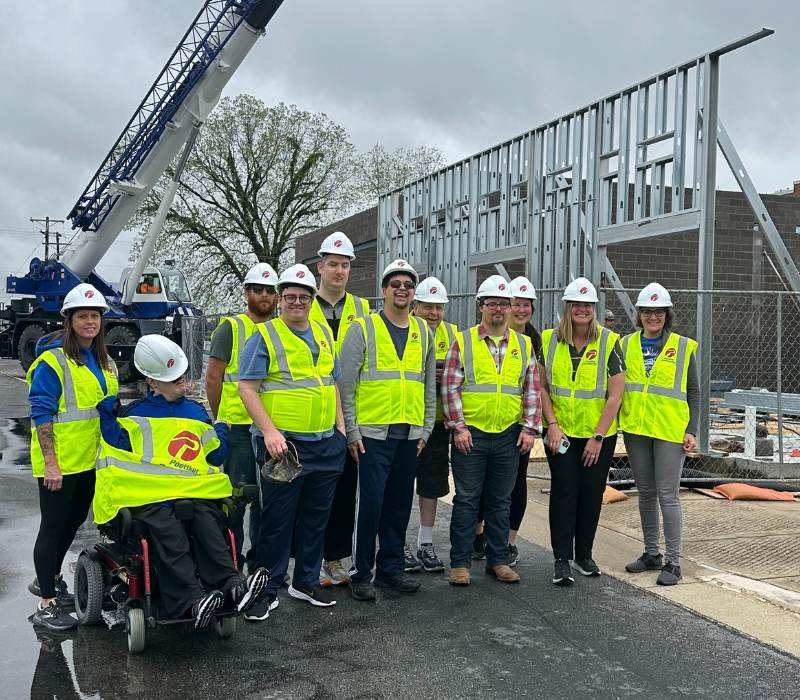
[{"x": 46, "y": 233}]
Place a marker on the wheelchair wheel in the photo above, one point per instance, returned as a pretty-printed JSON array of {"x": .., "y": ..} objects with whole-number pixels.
[
  {"x": 135, "y": 627},
  {"x": 225, "y": 626},
  {"x": 89, "y": 590}
]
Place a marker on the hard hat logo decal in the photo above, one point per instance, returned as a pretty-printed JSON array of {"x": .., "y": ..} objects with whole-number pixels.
[
  {"x": 338, "y": 243},
  {"x": 185, "y": 446},
  {"x": 88, "y": 294},
  {"x": 434, "y": 290},
  {"x": 584, "y": 290},
  {"x": 591, "y": 354},
  {"x": 300, "y": 274},
  {"x": 523, "y": 288},
  {"x": 401, "y": 263},
  {"x": 654, "y": 297},
  {"x": 170, "y": 363},
  {"x": 670, "y": 353},
  {"x": 501, "y": 287},
  {"x": 265, "y": 274}
]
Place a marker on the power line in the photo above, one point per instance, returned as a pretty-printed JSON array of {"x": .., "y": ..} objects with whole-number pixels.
[{"x": 46, "y": 233}]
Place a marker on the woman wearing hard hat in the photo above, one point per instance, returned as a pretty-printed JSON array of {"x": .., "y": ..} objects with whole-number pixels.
[
  {"x": 583, "y": 377},
  {"x": 71, "y": 373},
  {"x": 658, "y": 421}
]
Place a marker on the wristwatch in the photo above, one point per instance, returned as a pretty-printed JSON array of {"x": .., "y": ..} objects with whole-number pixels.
[{"x": 599, "y": 437}]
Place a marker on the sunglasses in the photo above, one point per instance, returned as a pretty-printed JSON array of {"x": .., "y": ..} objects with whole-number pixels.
[
  {"x": 396, "y": 284},
  {"x": 261, "y": 289}
]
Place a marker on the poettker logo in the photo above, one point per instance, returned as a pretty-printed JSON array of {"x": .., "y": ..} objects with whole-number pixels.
[
  {"x": 185, "y": 446},
  {"x": 591, "y": 355},
  {"x": 88, "y": 294}
]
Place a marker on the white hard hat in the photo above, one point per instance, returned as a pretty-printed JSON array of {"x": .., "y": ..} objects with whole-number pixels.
[
  {"x": 399, "y": 265},
  {"x": 337, "y": 244},
  {"x": 494, "y": 286},
  {"x": 159, "y": 358},
  {"x": 298, "y": 276},
  {"x": 580, "y": 289},
  {"x": 262, "y": 274},
  {"x": 522, "y": 288},
  {"x": 431, "y": 291},
  {"x": 84, "y": 296},
  {"x": 654, "y": 296}
]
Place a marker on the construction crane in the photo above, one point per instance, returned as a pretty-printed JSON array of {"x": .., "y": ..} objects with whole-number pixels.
[{"x": 146, "y": 299}]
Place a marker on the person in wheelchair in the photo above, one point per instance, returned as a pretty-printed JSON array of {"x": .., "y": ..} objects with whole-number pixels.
[{"x": 160, "y": 451}]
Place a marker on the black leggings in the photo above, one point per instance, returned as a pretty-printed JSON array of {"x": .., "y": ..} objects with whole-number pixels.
[
  {"x": 63, "y": 512},
  {"x": 519, "y": 496}
]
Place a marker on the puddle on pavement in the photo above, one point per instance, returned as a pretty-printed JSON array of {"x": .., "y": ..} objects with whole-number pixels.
[{"x": 15, "y": 442}]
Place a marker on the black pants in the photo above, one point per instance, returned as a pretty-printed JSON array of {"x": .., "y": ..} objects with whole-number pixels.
[
  {"x": 63, "y": 512},
  {"x": 171, "y": 553},
  {"x": 519, "y": 496},
  {"x": 576, "y": 496},
  {"x": 341, "y": 521}
]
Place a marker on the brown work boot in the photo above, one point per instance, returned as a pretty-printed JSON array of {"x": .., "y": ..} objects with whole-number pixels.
[
  {"x": 459, "y": 576},
  {"x": 503, "y": 573}
]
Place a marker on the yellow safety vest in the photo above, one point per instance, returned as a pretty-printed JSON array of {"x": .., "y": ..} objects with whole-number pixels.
[
  {"x": 391, "y": 390},
  {"x": 445, "y": 336},
  {"x": 167, "y": 461},
  {"x": 231, "y": 408},
  {"x": 578, "y": 404},
  {"x": 354, "y": 307},
  {"x": 492, "y": 400},
  {"x": 76, "y": 426},
  {"x": 655, "y": 405},
  {"x": 298, "y": 395}
]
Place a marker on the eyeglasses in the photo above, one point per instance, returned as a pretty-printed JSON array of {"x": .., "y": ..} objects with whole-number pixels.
[
  {"x": 261, "y": 289},
  {"x": 396, "y": 284},
  {"x": 495, "y": 305},
  {"x": 297, "y": 298},
  {"x": 653, "y": 312}
]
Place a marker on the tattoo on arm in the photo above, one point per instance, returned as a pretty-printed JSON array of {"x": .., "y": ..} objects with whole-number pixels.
[{"x": 45, "y": 434}]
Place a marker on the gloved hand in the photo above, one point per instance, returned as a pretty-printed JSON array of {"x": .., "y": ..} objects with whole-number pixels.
[
  {"x": 109, "y": 406},
  {"x": 222, "y": 430}
]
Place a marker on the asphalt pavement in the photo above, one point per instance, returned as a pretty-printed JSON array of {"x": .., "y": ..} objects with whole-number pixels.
[{"x": 599, "y": 638}]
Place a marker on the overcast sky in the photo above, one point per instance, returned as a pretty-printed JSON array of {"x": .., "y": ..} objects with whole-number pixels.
[{"x": 460, "y": 75}]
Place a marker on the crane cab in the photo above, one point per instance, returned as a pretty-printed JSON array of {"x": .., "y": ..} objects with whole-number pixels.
[{"x": 165, "y": 285}]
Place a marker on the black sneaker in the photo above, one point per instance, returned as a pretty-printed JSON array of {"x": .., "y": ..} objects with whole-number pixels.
[
  {"x": 262, "y": 607},
  {"x": 646, "y": 562},
  {"x": 397, "y": 582},
  {"x": 426, "y": 555},
  {"x": 562, "y": 574},
  {"x": 362, "y": 590},
  {"x": 204, "y": 608},
  {"x": 513, "y": 555},
  {"x": 479, "y": 547},
  {"x": 410, "y": 563},
  {"x": 587, "y": 567},
  {"x": 53, "y": 617},
  {"x": 317, "y": 595},
  {"x": 670, "y": 575},
  {"x": 246, "y": 592},
  {"x": 65, "y": 600}
]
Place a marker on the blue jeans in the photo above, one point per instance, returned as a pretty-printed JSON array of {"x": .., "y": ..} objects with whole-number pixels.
[
  {"x": 489, "y": 468},
  {"x": 241, "y": 469}
]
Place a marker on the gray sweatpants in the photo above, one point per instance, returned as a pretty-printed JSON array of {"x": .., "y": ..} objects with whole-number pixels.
[{"x": 656, "y": 466}]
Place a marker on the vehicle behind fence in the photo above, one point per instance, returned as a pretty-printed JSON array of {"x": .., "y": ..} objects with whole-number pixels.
[{"x": 754, "y": 405}]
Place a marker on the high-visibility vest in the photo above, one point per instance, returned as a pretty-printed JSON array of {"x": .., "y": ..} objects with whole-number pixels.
[
  {"x": 298, "y": 395},
  {"x": 492, "y": 400},
  {"x": 167, "y": 461},
  {"x": 231, "y": 409},
  {"x": 354, "y": 307},
  {"x": 76, "y": 426},
  {"x": 578, "y": 404},
  {"x": 391, "y": 390},
  {"x": 655, "y": 405},
  {"x": 445, "y": 336}
]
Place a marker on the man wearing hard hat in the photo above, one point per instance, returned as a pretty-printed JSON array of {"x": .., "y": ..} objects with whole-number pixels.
[
  {"x": 163, "y": 448},
  {"x": 433, "y": 465},
  {"x": 388, "y": 390},
  {"x": 287, "y": 383},
  {"x": 222, "y": 389},
  {"x": 337, "y": 308},
  {"x": 490, "y": 396}
]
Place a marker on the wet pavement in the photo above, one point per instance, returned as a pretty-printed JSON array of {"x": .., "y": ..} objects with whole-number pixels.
[{"x": 600, "y": 638}]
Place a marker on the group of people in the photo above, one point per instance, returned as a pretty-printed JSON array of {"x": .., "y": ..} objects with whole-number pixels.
[{"x": 335, "y": 412}]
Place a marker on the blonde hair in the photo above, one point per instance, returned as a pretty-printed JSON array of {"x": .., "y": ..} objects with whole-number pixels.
[{"x": 565, "y": 332}]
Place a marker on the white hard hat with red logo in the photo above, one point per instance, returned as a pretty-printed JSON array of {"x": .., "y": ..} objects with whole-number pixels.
[
  {"x": 580, "y": 289},
  {"x": 297, "y": 276},
  {"x": 399, "y": 265},
  {"x": 522, "y": 288},
  {"x": 159, "y": 358},
  {"x": 654, "y": 296},
  {"x": 84, "y": 296},
  {"x": 494, "y": 286},
  {"x": 431, "y": 291},
  {"x": 337, "y": 244},
  {"x": 262, "y": 274}
]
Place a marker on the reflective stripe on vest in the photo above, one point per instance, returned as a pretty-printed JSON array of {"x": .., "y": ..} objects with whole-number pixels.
[
  {"x": 231, "y": 409},
  {"x": 297, "y": 394},
  {"x": 655, "y": 405},
  {"x": 492, "y": 397}
]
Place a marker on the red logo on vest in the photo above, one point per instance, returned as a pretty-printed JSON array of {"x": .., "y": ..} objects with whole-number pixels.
[
  {"x": 584, "y": 290},
  {"x": 265, "y": 274},
  {"x": 88, "y": 294},
  {"x": 434, "y": 290},
  {"x": 654, "y": 297},
  {"x": 300, "y": 274},
  {"x": 170, "y": 363},
  {"x": 591, "y": 354},
  {"x": 185, "y": 446},
  {"x": 670, "y": 352},
  {"x": 337, "y": 243}
]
